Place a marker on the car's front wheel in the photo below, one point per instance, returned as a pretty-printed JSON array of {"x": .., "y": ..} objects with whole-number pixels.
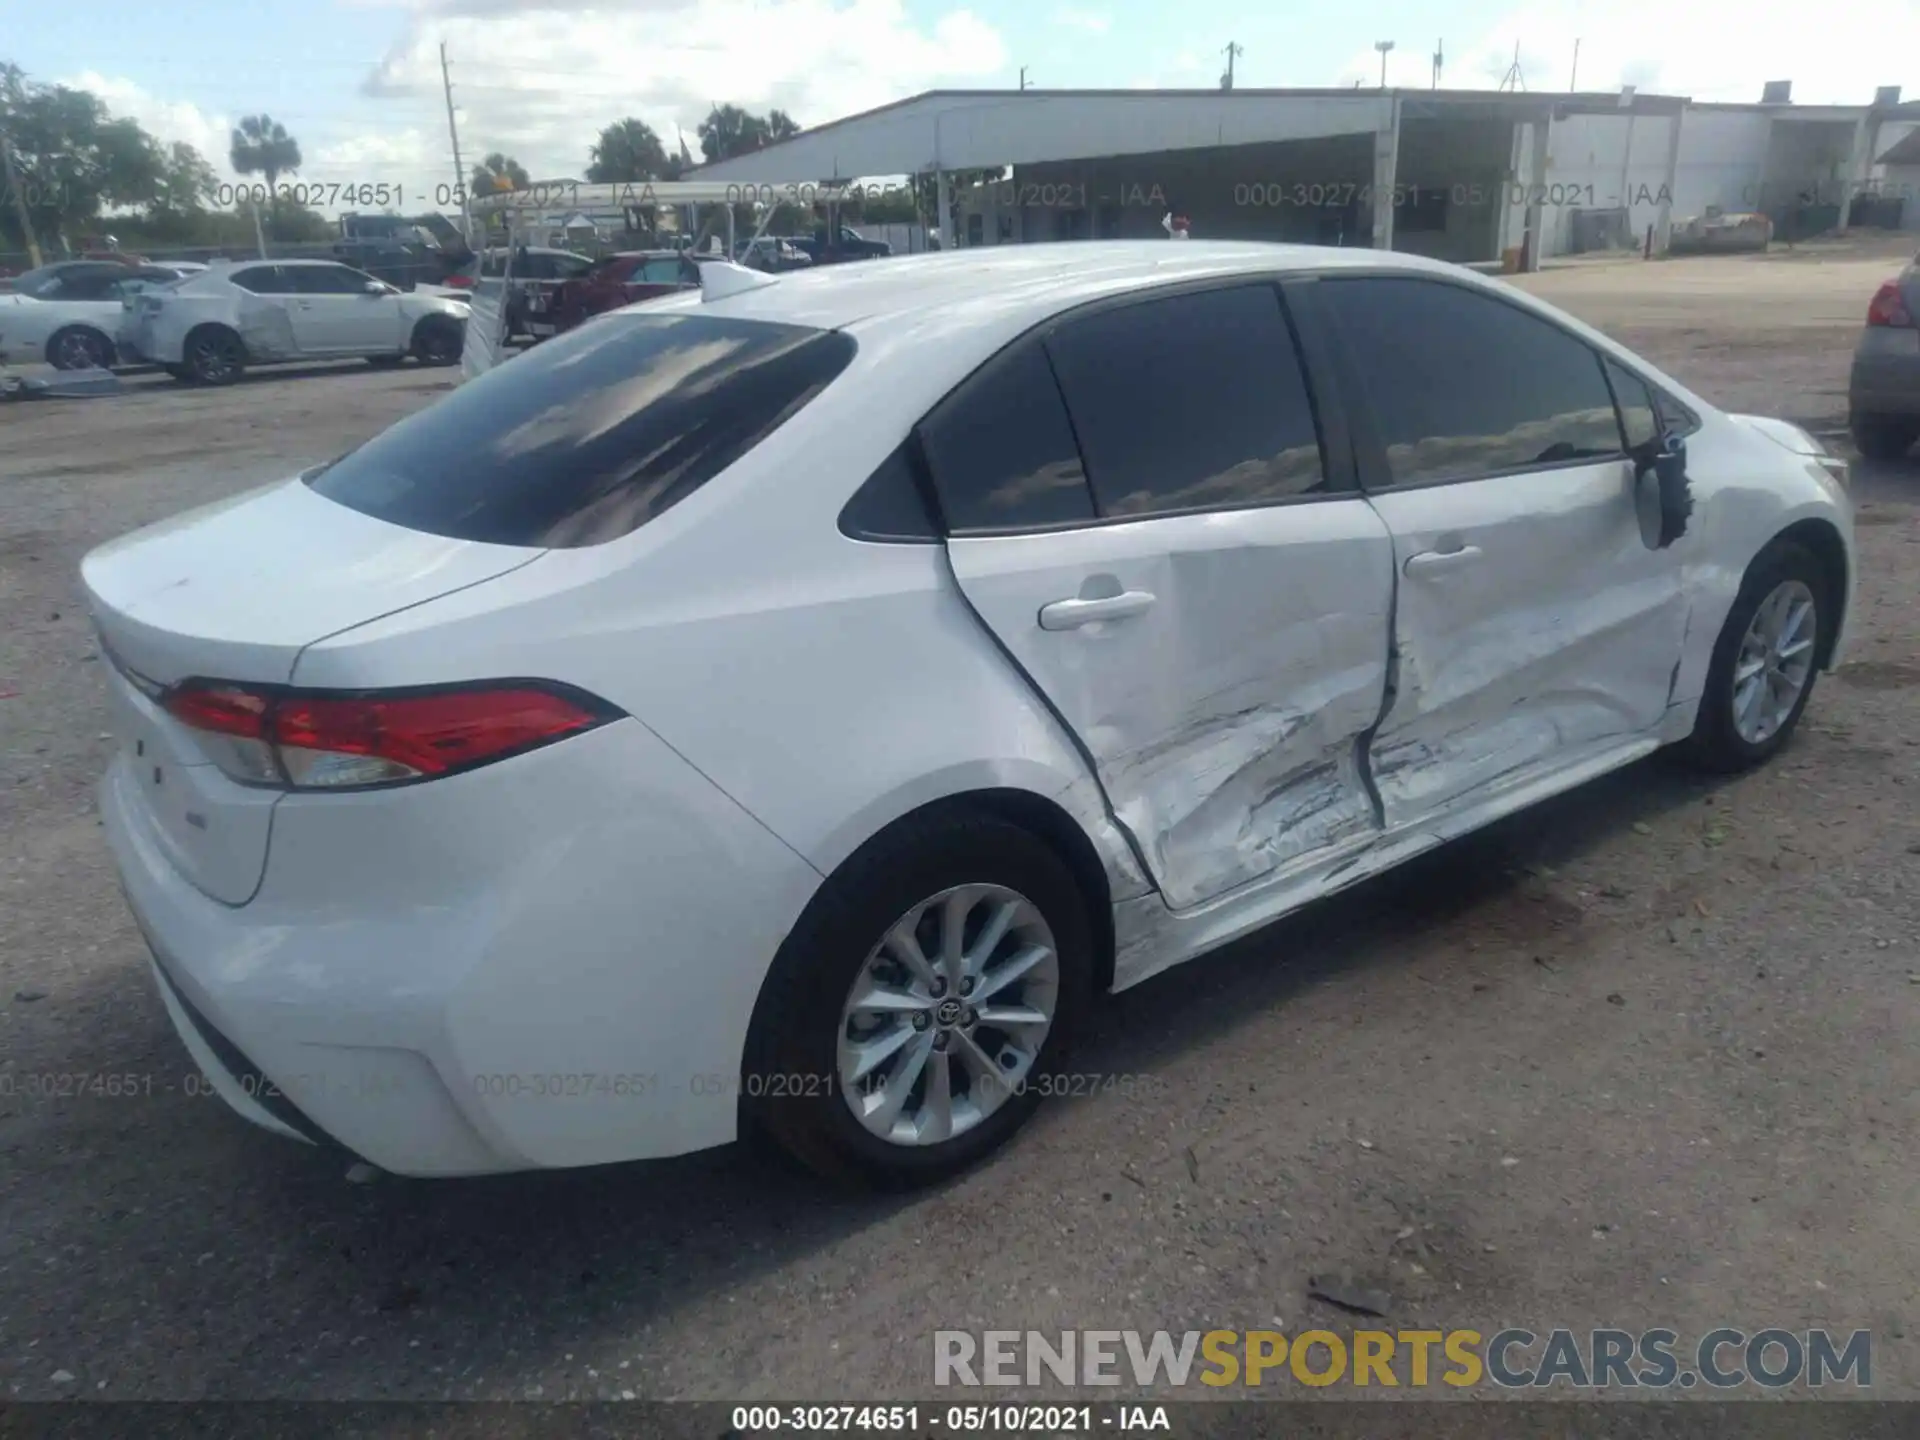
[
  {"x": 1765, "y": 660},
  {"x": 79, "y": 347},
  {"x": 437, "y": 340},
  {"x": 914, "y": 1018}
]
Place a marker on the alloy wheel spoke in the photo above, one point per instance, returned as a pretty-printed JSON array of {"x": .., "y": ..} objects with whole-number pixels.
[
  {"x": 894, "y": 1090},
  {"x": 936, "y": 1113},
  {"x": 990, "y": 937},
  {"x": 997, "y": 979},
  {"x": 1016, "y": 1015},
  {"x": 879, "y": 999},
  {"x": 876, "y": 1049},
  {"x": 953, "y": 936},
  {"x": 904, "y": 945}
]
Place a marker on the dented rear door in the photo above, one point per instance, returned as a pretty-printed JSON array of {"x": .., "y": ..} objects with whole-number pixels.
[{"x": 1141, "y": 511}]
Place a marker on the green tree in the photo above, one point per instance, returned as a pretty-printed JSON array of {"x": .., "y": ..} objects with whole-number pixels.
[
  {"x": 71, "y": 158},
  {"x": 628, "y": 151},
  {"x": 499, "y": 172},
  {"x": 730, "y": 131},
  {"x": 186, "y": 186},
  {"x": 262, "y": 146}
]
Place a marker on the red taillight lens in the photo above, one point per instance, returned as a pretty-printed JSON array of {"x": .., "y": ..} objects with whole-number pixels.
[
  {"x": 313, "y": 740},
  {"x": 460, "y": 282},
  {"x": 1888, "y": 308}
]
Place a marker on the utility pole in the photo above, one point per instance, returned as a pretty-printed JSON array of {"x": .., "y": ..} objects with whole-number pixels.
[
  {"x": 19, "y": 202},
  {"x": 453, "y": 133},
  {"x": 1023, "y": 77},
  {"x": 1439, "y": 59},
  {"x": 1513, "y": 79},
  {"x": 1233, "y": 48},
  {"x": 1573, "y": 81},
  {"x": 1383, "y": 46}
]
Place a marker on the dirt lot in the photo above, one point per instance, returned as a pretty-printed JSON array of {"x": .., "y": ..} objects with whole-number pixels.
[{"x": 1642, "y": 1058}]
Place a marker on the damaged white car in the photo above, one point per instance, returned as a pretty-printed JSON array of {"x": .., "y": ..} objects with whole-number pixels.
[
  {"x": 209, "y": 327},
  {"x": 788, "y": 705}
]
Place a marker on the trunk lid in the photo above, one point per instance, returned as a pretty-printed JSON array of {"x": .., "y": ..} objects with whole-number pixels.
[{"x": 235, "y": 591}]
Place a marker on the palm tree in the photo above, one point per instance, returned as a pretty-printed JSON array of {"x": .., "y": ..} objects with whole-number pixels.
[
  {"x": 262, "y": 146},
  {"x": 499, "y": 172}
]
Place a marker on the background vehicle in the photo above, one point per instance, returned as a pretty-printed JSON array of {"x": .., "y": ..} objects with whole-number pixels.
[
  {"x": 210, "y": 327},
  {"x": 1883, "y": 388},
  {"x": 834, "y": 246},
  {"x": 538, "y": 273},
  {"x": 623, "y": 279},
  {"x": 68, "y": 314},
  {"x": 771, "y": 253},
  {"x": 768, "y": 661}
]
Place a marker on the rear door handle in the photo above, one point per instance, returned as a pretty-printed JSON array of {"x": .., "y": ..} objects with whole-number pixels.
[
  {"x": 1434, "y": 562},
  {"x": 1072, "y": 614}
]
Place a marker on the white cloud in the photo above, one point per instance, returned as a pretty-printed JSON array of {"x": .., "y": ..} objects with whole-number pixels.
[
  {"x": 1091, "y": 21},
  {"x": 166, "y": 120},
  {"x": 1710, "y": 50}
]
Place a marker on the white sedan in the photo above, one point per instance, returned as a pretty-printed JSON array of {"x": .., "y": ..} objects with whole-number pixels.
[
  {"x": 209, "y": 327},
  {"x": 790, "y": 704},
  {"x": 68, "y": 313}
]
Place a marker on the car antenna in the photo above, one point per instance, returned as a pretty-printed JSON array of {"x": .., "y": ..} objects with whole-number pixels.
[{"x": 721, "y": 278}]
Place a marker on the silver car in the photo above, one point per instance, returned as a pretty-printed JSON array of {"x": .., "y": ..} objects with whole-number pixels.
[{"x": 1883, "y": 391}]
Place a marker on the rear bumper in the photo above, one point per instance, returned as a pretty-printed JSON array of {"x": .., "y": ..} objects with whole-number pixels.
[
  {"x": 442, "y": 981},
  {"x": 1885, "y": 378}
]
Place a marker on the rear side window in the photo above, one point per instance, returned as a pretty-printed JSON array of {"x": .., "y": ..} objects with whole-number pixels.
[
  {"x": 1002, "y": 451},
  {"x": 262, "y": 280},
  {"x": 1191, "y": 402},
  {"x": 589, "y": 436},
  {"x": 1463, "y": 385}
]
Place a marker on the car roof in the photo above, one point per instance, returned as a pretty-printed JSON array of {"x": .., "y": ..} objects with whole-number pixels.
[{"x": 1022, "y": 282}]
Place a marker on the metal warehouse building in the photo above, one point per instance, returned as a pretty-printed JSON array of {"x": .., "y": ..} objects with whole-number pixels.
[{"x": 1456, "y": 174}]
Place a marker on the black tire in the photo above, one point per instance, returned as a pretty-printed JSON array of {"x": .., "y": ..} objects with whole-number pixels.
[
  {"x": 213, "y": 355},
  {"x": 437, "y": 340},
  {"x": 384, "y": 362},
  {"x": 791, "y": 1091},
  {"x": 80, "y": 347},
  {"x": 1716, "y": 743},
  {"x": 1884, "y": 437}
]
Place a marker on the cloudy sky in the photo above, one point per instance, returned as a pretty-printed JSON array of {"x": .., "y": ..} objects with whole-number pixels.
[{"x": 358, "y": 81}]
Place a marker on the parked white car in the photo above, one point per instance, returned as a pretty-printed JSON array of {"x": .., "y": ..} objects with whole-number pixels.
[
  {"x": 68, "y": 313},
  {"x": 789, "y": 703},
  {"x": 208, "y": 328}
]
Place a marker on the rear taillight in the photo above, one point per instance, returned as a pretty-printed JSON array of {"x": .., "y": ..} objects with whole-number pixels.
[
  {"x": 460, "y": 282},
  {"x": 334, "y": 740},
  {"x": 1888, "y": 308}
]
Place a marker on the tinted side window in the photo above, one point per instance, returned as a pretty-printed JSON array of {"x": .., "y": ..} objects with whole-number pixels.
[
  {"x": 890, "y": 506},
  {"x": 1639, "y": 417},
  {"x": 325, "y": 280},
  {"x": 1463, "y": 385},
  {"x": 1189, "y": 402},
  {"x": 261, "y": 280},
  {"x": 1002, "y": 451},
  {"x": 590, "y": 435},
  {"x": 91, "y": 282}
]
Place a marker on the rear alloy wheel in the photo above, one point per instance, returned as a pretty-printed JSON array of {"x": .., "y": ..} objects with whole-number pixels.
[
  {"x": 1884, "y": 437},
  {"x": 916, "y": 1013},
  {"x": 214, "y": 356},
  {"x": 1764, "y": 662},
  {"x": 79, "y": 348},
  {"x": 437, "y": 341}
]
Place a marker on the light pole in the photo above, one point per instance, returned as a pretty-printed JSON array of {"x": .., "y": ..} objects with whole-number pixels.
[{"x": 1383, "y": 46}]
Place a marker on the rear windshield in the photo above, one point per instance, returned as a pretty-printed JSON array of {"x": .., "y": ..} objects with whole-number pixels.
[{"x": 590, "y": 435}]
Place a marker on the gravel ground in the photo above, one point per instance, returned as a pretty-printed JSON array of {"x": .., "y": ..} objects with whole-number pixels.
[{"x": 1639, "y": 1058}]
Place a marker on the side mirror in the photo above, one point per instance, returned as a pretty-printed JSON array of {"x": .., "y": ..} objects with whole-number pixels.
[
  {"x": 375, "y": 287},
  {"x": 1662, "y": 464}
]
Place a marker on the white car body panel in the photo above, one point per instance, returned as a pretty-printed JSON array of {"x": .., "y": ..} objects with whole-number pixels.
[
  {"x": 27, "y": 324},
  {"x": 1223, "y": 718},
  {"x": 609, "y": 905}
]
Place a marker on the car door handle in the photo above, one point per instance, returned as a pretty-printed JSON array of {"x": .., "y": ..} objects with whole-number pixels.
[
  {"x": 1435, "y": 562},
  {"x": 1072, "y": 614}
]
